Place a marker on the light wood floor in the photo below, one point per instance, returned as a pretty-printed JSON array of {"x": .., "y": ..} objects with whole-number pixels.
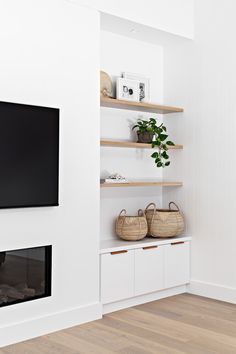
[{"x": 180, "y": 324}]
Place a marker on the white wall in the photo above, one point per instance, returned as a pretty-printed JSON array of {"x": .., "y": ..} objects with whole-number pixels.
[
  {"x": 174, "y": 16},
  {"x": 119, "y": 53},
  {"x": 50, "y": 57},
  {"x": 201, "y": 76}
]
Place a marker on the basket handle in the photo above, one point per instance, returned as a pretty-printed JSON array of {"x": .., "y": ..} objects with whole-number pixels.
[
  {"x": 140, "y": 212},
  {"x": 174, "y": 205},
  {"x": 123, "y": 211},
  {"x": 153, "y": 214},
  {"x": 153, "y": 204}
]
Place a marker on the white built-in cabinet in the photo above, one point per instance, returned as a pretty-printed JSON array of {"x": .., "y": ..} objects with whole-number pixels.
[
  {"x": 176, "y": 264},
  {"x": 127, "y": 273},
  {"x": 149, "y": 269},
  {"x": 117, "y": 276}
]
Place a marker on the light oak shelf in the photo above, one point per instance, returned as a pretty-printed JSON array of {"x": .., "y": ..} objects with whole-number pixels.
[
  {"x": 142, "y": 184},
  {"x": 138, "y": 106},
  {"x": 131, "y": 144}
]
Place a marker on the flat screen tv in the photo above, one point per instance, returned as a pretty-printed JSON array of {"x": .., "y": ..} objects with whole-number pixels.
[{"x": 29, "y": 151}]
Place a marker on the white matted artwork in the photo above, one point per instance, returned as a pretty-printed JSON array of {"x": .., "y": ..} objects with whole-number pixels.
[
  {"x": 144, "y": 85},
  {"x": 127, "y": 90}
]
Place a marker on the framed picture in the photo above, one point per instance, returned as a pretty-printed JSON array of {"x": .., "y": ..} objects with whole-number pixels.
[
  {"x": 144, "y": 85},
  {"x": 127, "y": 90}
]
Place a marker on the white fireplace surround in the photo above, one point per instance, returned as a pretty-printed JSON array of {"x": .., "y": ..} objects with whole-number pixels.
[{"x": 45, "y": 55}]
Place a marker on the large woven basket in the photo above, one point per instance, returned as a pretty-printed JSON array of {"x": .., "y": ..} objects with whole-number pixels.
[
  {"x": 131, "y": 228},
  {"x": 164, "y": 222}
]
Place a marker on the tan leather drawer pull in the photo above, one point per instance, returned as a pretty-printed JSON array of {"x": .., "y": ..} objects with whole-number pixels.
[
  {"x": 119, "y": 252},
  {"x": 177, "y": 243},
  {"x": 149, "y": 247}
]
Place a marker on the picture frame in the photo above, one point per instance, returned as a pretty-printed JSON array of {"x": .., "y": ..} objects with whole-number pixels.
[
  {"x": 144, "y": 85},
  {"x": 128, "y": 90}
]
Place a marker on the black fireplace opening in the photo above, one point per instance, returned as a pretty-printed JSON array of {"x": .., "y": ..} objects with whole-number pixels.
[{"x": 25, "y": 274}]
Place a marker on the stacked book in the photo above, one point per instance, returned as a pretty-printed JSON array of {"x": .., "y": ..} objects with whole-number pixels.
[{"x": 116, "y": 178}]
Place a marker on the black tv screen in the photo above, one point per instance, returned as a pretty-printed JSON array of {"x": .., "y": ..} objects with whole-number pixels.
[{"x": 29, "y": 149}]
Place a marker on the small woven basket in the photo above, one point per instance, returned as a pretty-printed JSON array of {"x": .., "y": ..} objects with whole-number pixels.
[
  {"x": 131, "y": 228},
  {"x": 164, "y": 222}
]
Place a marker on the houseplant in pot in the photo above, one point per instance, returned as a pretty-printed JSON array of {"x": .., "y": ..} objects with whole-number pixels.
[
  {"x": 145, "y": 130},
  {"x": 149, "y": 131}
]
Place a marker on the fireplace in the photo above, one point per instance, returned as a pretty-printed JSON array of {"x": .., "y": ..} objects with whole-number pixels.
[{"x": 25, "y": 275}]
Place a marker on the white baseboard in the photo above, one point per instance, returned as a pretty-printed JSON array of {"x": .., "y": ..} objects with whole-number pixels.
[
  {"x": 21, "y": 331},
  {"x": 213, "y": 291},
  {"x": 120, "y": 305},
  {"x": 39, "y": 326}
]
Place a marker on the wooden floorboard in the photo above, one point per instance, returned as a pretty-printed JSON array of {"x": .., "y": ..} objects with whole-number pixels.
[{"x": 182, "y": 324}]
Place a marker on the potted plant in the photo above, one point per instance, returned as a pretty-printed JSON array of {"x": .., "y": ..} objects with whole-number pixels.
[
  {"x": 149, "y": 132},
  {"x": 145, "y": 130}
]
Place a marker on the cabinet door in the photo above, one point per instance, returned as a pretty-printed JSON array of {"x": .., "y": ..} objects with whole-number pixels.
[
  {"x": 149, "y": 269},
  {"x": 117, "y": 276},
  {"x": 177, "y": 264}
]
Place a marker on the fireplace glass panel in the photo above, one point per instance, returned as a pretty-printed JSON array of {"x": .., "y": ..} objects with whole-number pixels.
[{"x": 25, "y": 274}]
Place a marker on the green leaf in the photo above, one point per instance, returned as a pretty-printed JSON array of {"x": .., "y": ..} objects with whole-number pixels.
[
  {"x": 157, "y": 129},
  {"x": 135, "y": 126},
  {"x": 165, "y": 156},
  {"x": 156, "y": 143},
  {"x": 164, "y": 128},
  {"x": 170, "y": 143},
  {"x": 164, "y": 153},
  {"x": 167, "y": 163},
  {"x": 155, "y": 155},
  {"x": 159, "y": 164},
  {"x": 164, "y": 147},
  {"x": 163, "y": 137}
]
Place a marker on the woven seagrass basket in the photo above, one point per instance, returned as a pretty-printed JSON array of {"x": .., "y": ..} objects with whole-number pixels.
[
  {"x": 131, "y": 228},
  {"x": 164, "y": 222}
]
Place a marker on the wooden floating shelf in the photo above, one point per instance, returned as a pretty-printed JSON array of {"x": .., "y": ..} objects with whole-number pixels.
[
  {"x": 131, "y": 144},
  {"x": 142, "y": 184},
  {"x": 138, "y": 106}
]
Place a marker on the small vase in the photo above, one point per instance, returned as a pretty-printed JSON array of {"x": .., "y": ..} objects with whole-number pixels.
[{"x": 145, "y": 137}]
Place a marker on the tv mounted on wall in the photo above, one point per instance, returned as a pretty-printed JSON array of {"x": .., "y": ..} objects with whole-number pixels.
[{"x": 29, "y": 152}]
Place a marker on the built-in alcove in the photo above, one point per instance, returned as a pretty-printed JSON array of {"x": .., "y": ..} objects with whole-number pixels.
[
  {"x": 120, "y": 53},
  {"x": 126, "y": 279},
  {"x": 25, "y": 274}
]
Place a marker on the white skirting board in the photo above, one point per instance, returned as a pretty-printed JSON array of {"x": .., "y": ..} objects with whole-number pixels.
[
  {"x": 36, "y": 327},
  {"x": 213, "y": 291},
  {"x": 21, "y": 331},
  {"x": 120, "y": 305}
]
